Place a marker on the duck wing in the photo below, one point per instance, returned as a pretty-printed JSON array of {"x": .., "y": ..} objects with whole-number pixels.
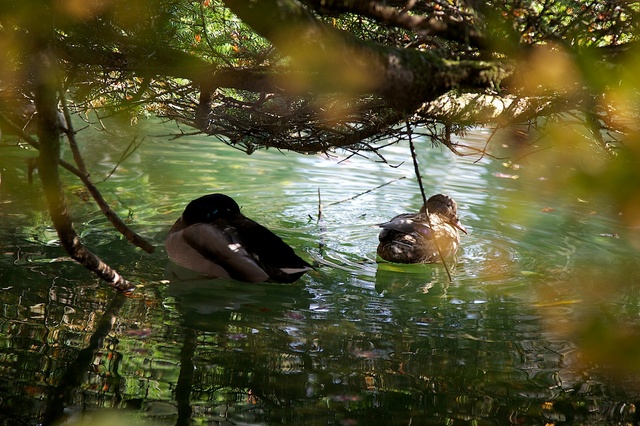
[
  {"x": 276, "y": 257},
  {"x": 214, "y": 251},
  {"x": 408, "y": 224}
]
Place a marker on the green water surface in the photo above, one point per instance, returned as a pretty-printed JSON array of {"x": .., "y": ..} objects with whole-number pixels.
[{"x": 539, "y": 324}]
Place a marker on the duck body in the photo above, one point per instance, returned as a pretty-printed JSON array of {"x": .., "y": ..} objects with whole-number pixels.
[
  {"x": 212, "y": 237},
  {"x": 416, "y": 238}
]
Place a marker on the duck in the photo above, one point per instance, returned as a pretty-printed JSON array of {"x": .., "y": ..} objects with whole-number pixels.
[
  {"x": 214, "y": 238},
  {"x": 411, "y": 237}
]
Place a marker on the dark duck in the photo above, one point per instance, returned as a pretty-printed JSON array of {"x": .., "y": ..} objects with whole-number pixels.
[
  {"x": 411, "y": 237},
  {"x": 212, "y": 237}
]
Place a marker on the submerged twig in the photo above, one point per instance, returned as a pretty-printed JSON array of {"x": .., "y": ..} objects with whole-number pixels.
[{"x": 412, "y": 148}]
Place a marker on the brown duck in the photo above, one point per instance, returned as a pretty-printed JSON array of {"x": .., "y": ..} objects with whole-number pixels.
[
  {"x": 212, "y": 237},
  {"x": 410, "y": 237}
]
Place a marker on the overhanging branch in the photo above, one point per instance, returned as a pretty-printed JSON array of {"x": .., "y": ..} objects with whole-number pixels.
[{"x": 49, "y": 142}]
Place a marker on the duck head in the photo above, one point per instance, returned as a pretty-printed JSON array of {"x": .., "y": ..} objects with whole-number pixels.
[
  {"x": 445, "y": 208},
  {"x": 210, "y": 208}
]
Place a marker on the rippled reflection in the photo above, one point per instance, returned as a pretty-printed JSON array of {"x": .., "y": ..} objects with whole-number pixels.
[{"x": 542, "y": 309}]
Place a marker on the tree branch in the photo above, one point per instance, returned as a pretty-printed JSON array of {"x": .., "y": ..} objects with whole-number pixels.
[
  {"x": 49, "y": 141},
  {"x": 441, "y": 25},
  {"x": 84, "y": 176},
  {"x": 115, "y": 220},
  {"x": 340, "y": 62}
]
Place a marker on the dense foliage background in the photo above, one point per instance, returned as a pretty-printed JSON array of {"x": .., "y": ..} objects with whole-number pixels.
[{"x": 311, "y": 76}]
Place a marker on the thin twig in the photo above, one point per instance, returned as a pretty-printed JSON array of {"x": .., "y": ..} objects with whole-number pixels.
[
  {"x": 424, "y": 197},
  {"x": 126, "y": 154},
  {"x": 34, "y": 143},
  {"x": 367, "y": 191},
  {"x": 319, "y": 206},
  {"x": 510, "y": 109},
  {"x": 115, "y": 220}
]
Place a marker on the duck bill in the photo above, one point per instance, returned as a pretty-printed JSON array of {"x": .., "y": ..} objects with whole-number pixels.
[{"x": 460, "y": 227}]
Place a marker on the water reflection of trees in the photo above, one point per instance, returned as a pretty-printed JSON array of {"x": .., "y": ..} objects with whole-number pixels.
[
  {"x": 288, "y": 354},
  {"x": 74, "y": 373}
]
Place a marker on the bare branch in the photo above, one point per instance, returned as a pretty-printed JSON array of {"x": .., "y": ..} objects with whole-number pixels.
[
  {"x": 49, "y": 142},
  {"x": 115, "y": 220}
]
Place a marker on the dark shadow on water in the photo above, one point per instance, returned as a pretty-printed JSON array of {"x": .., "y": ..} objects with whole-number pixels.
[
  {"x": 415, "y": 351},
  {"x": 185, "y": 379},
  {"x": 214, "y": 314},
  {"x": 205, "y": 304},
  {"x": 206, "y": 308}
]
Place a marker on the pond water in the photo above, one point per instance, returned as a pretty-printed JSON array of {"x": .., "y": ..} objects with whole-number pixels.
[{"x": 538, "y": 325}]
